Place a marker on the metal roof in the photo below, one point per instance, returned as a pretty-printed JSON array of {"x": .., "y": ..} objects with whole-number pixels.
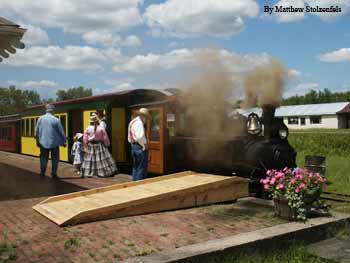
[
  {"x": 10, "y": 118},
  {"x": 10, "y": 37},
  {"x": 108, "y": 96},
  {"x": 303, "y": 110}
]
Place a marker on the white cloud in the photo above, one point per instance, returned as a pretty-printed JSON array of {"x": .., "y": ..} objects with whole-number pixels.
[
  {"x": 77, "y": 16},
  {"x": 105, "y": 38},
  {"x": 132, "y": 41},
  {"x": 301, "y": 89},
  {"x": 180, "y": 18},
  {"x": 293, "y": 73},
  {"x": 35, "y": 36},
  {"x": 67, "y": 58},
  {"x": 33, "y": 84},
  {"x": 189, "y": 58},
  {"x": 339, "y": 55}
]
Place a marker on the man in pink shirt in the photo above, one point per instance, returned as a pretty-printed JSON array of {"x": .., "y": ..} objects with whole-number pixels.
[{"x": 137, "y": 139}]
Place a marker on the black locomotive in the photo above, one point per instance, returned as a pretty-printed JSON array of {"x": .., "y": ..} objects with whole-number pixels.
[{"x": 262, "y": 144}]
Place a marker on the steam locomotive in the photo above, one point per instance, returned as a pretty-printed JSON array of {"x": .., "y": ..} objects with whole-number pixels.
[{"x": 262, "y": 145}]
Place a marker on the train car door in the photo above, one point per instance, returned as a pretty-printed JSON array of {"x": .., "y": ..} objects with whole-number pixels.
[
  {"x": 118, "y": 136},
  {"x": 155, "y": 135}
]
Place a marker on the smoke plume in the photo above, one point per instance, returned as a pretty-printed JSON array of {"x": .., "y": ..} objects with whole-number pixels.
[
  {"x": 205, "y": 99},
  {"x": 264, "y": 85}
]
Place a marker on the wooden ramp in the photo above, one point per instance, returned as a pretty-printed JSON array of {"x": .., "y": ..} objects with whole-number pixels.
[{"x": 175, "y": 191}]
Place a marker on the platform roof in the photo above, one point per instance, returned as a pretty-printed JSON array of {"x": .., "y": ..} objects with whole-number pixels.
[
  {"x": 304, "y": 110},
  {"x": 10, "y": 38}
]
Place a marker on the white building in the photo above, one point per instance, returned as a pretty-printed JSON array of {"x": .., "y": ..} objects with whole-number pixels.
[{"x": 326, "y": 115}]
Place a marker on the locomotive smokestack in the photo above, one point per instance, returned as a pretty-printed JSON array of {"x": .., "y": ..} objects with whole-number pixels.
[{"x": 268, "y": 116}]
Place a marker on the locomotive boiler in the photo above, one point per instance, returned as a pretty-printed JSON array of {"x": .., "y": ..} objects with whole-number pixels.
[{"x": 255, "y": 146}]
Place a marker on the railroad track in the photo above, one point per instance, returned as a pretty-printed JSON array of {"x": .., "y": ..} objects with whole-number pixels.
[{"x": 337, "y": 197}]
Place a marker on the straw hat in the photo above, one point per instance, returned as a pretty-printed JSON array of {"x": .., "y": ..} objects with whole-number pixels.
[
  {"x": 144, "y": 112},
  {"x": 94, "y": 118}
]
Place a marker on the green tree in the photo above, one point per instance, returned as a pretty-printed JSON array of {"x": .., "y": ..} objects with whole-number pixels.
[
  {"x": 313, "y": 97},
  {"x": 14, "y": 100},
  {"x": 73, "y": 93}
]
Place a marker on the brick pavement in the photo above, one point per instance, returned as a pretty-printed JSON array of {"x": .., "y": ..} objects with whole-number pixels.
[{"x": 39, "y": 240}]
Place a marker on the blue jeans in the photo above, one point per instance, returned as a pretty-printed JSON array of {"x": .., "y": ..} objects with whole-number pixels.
[
  {"x": 44, "y": 158},
  {"x": 140, "y": 160}
]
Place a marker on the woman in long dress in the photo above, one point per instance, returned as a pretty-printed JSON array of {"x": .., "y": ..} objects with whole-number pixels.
[{"x": 98, "y": 161}]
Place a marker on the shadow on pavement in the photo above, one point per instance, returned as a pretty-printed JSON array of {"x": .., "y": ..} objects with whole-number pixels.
[{"x": 16, "y": 183}]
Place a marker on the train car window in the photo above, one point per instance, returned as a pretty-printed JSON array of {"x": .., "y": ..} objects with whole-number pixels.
[
  {"x": 32, "y": 127},
  {"x": 27, "y": 132},
  {"x": 315, "y": 120},
  {"x": 293, "y": 120},
  {"x": 302, "y": 121},
  {"x": 155, "y": 126},
  {"x": 170, "y": 123},
  {"x": 1, "y": 133},
  {"x": 63, "y": 122}
]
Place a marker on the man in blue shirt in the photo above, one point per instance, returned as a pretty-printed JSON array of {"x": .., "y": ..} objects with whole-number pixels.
[{"x": 49, "y": 136}]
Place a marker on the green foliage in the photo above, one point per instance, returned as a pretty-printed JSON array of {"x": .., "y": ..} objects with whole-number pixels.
[
  {"x": 294, "y": 253},
  {"x": 73, "y": 93},
  {"x": 322, "y": 96},
  {"x": 321, "y": 143},
  {"x": 7, "y": 250},
  {"x": 14, "y": 100},
  {"x": 337, "y": 172},
  {"x": 72, "y": 242}
]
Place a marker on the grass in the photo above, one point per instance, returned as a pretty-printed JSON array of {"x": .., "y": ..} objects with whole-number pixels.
[
  {"x": 321, "y": 143},
  {"x": 7, "y": 250},
  {"x": 337, "y": 172},
  {"x": 72, "y": 242},
  {"x": 295, "y": 253}
]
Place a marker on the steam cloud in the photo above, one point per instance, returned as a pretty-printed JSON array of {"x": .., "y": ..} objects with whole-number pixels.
[
  {"x": 206, "y": 102},
  {"x": 265, "y": 85},
  {"x": 205, "y": 99}
]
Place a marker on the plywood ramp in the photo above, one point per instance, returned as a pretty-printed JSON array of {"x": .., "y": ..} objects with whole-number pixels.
[{"x": 169, "y": 192}]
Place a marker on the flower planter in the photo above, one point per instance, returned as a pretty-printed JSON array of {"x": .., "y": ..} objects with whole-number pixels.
[{"x": 283, "y": 210}]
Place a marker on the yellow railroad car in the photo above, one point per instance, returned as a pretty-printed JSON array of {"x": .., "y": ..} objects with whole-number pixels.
[{"x": 75, "y": 114}]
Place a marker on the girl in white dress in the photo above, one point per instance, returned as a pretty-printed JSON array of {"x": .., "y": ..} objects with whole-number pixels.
[{"x": 77, "y": 152}]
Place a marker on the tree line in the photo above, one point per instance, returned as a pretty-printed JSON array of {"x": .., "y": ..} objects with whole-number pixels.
[
  {"x": 314, "y": 97},
  {"x": 13, "y": 100}
]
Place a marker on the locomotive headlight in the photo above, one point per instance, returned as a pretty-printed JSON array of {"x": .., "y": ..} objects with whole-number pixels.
[{"x": 283, "y": 133}]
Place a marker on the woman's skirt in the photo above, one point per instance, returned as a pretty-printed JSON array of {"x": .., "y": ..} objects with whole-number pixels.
[{"x": 98, "y": 161}]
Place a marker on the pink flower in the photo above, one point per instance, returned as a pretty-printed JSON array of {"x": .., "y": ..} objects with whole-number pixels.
[
  {"x": 299, "y": 177},
  {"x": 285, "y": 169},
  {"x": 280, "y": 186},
  {"x": 296, "y": 190},
  {"x": 266, "y": 186},
  {"x": 292, "y": 181},
  {"x": 302, "y": 185},
  {"x": 279, "y": 175},
  {"x": 299, "y": 171},
  {"x": 273, "y": 180},
  {"x": 268, "y": 172}
]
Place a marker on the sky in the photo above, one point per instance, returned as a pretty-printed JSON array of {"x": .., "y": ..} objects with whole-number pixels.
[{"x": 112, "y": 45}]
